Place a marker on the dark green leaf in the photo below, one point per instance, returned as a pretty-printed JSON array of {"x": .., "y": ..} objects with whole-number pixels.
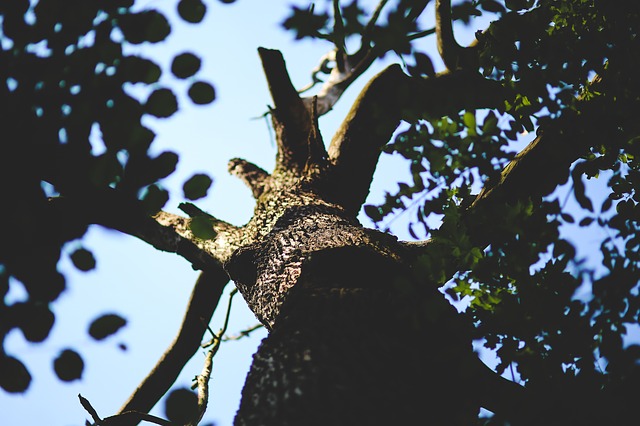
[
  {"x": 154, "y": 199},
  {"x": 202, "y": 227},
  {"x": 68, "y": 365},
  {"x": 106, "y": 325},
  {"x": 181, "y": 406},
  {"x": 192, "y": 11},
  {"x": 201, "y": 93},
  {"x": 197, "y": 186},
  {"x": 161, "y": 103},
  {"x": 83, "y": 259},
  {"x": 185, "y": 65}
]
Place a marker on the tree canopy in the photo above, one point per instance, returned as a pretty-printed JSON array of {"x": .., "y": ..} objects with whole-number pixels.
[{"x": 495, "y": 219}]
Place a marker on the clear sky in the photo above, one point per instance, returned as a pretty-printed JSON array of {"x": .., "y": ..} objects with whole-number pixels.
[{"x": 150, "y": 289}]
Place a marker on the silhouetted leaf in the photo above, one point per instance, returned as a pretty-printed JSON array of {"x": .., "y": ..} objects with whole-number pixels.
[
  {"x": 305, "y": 23},
  {"x": 165, "y": 164},
  {"x": 106, "y": 325},
  {"x": 34, "y": 319},
  {"x": 192, "y": 11},
  {"x": 146, "y": 26},
  {"x": 373, "y": 212},
  {"x": 154, "y": 199},
  {"x": 181, "y": 406},
  {"x": 136, "y": 69},
  {"x": 202, "y": 93},
  {"x": 161, "y": 103},
  {"x": 197, "y": 186},
  {"x": 185, "y": 65},
  {"x": 14, "y": 376},
  {"x": 68, "y": 365},
  {"x": 83, "y": 259},
  {"x": 492, "y": 6},
  {"x": 423, "y": 66}
]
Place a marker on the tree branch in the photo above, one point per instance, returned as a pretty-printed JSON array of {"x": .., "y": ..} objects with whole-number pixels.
[
  {"x": 164, "y": 231},
  {"x": 384, "y": 102},
  {"x": 204, "y": 299},
  {"x": 291, "y": 117},
  {"x": 252, "y": 176},
  {"x": 454, "y": 56}
]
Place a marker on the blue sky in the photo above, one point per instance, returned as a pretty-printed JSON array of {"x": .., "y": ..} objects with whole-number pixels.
[{"x": 150, "y": 288}]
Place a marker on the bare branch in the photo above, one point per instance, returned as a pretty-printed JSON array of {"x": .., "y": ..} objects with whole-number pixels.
[
  {"x": 243, "y": 333},
  {"x": 113, "y": 210},
  {"x": 339, "y": 36},
  {"x": 291, "y": 118},
  {"x": 253, "y": 176},
  {"x": 204, "y": 298},
  {"x": 205, "y": 376}
]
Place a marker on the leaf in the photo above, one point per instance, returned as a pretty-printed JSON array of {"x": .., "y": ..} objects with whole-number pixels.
[
  {"x": 201, "y": 93},
  {"x": 579, "y": 191},
  {"x": 161, "y": 103},
  {"x": 106, "y": 325},
  {"x": 490, "y": 123},
  {"x": 154, "y": 199},
  {"x": 469, "y": 120},
  {"x": 165, "y": 164},
  {"x": 34, "y": 319},
  {"x": 136, "y": 69},
  {"x": 492, "y": 6},
  {"x": 68, "y": 366},
  {"x": 424, "y": 65},
  {"x": 83, "y": 260},
  {"x": 202, "y": 227},
  {"x": 14, "y": 376},
  {"x": 197, "y": 186},
  {"x": 192, "y": 11},
  {"x": 586, "y": 221},
  {"x": 373, "y": 212},
  {"x": 181, "y": 406},
  {"x": 149, "y": 25},
  {"x": 305, "y": 23},
  {"x": 185, "y": 65},
  {"x": 606, "y": 205},
  {"x": 567, "y": 217},
  {"x": 517, "y": 5}
]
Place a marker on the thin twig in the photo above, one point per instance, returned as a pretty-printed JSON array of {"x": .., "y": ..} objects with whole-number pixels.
[
  {"x": 244, "y": 333},
  {"x": 368, "y": 29},
  {"x": 202, "y": 381},
  {"x": 128, "y": 417}
]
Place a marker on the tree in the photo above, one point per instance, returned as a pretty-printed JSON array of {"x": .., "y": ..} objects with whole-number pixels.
[{"x": 359, "y": 332}]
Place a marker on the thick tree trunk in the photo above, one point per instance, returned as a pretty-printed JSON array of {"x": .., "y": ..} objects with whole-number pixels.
[{"x": 356, "y": 341}]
